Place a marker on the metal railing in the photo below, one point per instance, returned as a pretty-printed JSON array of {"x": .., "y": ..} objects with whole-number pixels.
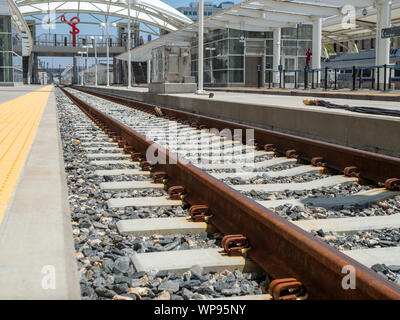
[
  {"x": 65, "y": 40},
  {"x": 354, "y": 78}
]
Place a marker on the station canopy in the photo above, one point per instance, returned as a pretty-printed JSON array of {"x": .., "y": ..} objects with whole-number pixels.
[
  {"x": 265, "y": 15},
  {"x": 365, "y": 25},
  {"x": 153, "y": 13}
]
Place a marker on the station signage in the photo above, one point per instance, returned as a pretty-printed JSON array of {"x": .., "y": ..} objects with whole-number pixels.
[{"x": 390, "y": 32}]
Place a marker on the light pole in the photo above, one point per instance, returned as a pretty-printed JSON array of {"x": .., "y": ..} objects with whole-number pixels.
[
  {"x": 81, "y": 53},
  {"x": 106, "y": 25},
  {"x": 87, "y": 60},
  {"x": 129, "y": 2},
  {"x": 200, "y": 89},
  {"x": 95, "y": 54}
]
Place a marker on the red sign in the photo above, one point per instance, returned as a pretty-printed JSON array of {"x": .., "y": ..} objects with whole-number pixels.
[
  {"x": 308, "y": 57},
  {"x": 72, "y": 23}
]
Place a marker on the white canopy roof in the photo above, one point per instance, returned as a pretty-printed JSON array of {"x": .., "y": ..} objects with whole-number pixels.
[
  {"x": 259, "y": 15},
  {"x": 151, "y": 12},
  {"x": 365, "y": 28}
]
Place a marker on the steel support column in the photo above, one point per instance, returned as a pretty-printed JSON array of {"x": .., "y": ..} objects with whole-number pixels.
[
  {"x": 316, "y": 50},
  {"x": 277, "y": 56},
  {"x": 383, "y": 20},
  {"x": 200, "y": 88},
  {"x": 148, "y": 71}
]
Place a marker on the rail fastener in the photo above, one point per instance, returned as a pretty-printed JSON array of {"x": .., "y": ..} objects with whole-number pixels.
[
  {"x": 235, "y": 245},
  {"x": 199, "y": 213},
  {"x": 287, "y": 289}
]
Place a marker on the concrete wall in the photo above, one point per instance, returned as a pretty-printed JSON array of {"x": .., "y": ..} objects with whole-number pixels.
[{"x": 367, "y": 132}]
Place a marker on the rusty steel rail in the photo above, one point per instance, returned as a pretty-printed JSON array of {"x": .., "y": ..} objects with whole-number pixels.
[
  {"x": 366, "y": 165},
  {"x": 277, "y": 246}
]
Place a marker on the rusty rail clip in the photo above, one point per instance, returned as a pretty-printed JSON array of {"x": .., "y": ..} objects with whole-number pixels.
[
  {"x": 128, "y": 149},
  {"x": 351, "y": 172},
  {"x": 287, "y": 289},
  {"x": 122, "y": 143},
  {"x": 291, "y": 154},
  {"x": 136, "y": 156},
  {"x": 116, "y": 138},
  {"x": 235, "y": 245},
  {"x": 146, "y": 166},
  {"x": 393, "y": 184},
  {"x": 317, "y": 161},
  {"x": 269, "y": 147},
  {"x": 160, "y": 177},
  {"x": 199, "y": 213},
  {"x": 176, "y": 193}
]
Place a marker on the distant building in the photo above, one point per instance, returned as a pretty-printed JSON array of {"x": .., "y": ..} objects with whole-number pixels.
[
  {"x": 209, "y": 9},
  {"x": 43, "y": 77}
]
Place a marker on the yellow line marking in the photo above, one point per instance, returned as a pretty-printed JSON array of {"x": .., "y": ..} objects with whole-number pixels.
[{"x": 19, "y": 120}]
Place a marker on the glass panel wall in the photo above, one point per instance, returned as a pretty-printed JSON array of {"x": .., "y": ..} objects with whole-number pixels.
[
  {"x": 10, "y": 52},
  {"x": 295, "y": 43},
  {"x": 5, "y": 24},
  {"x": 5, "y": 41},
  {"x": 6, "y": 55},
  {"x": 223, "y": 58},
  {"x": 225, "y": 51},
  {"x": 6, "y": 74}
]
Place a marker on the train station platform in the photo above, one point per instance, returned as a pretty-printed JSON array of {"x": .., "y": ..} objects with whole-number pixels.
[
  {"x": 37, "y": 258},
  {"x": 10, "y": 93},
  {"x": 287, "y": 114},
  {"x": 360, "y": 94}
]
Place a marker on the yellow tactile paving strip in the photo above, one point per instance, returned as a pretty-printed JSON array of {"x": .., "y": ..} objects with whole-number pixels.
[{"x": 19, "y": 120}]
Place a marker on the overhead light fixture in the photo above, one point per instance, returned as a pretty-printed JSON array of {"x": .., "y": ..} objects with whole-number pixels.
[{"x": 364, "y": 12}]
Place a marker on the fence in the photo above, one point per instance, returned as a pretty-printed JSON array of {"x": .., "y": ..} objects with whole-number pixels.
[
  {"x": 353, "y": 78},
  {"x": 65, "y": 40}
]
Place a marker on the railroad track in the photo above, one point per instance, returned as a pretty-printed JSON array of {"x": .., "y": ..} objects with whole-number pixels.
[{"x": 236, "y": 197}]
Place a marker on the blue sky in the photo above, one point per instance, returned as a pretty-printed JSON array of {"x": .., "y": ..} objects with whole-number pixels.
[{"x": 95, "y": 30}]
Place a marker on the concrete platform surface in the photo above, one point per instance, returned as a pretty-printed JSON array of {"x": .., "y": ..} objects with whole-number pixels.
[
  {"x": 10, "y": 93},
  {"x": 37, "y": 256},
  {"x": 19, "y": 120},
  {"x": 360, "y": 94}
]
